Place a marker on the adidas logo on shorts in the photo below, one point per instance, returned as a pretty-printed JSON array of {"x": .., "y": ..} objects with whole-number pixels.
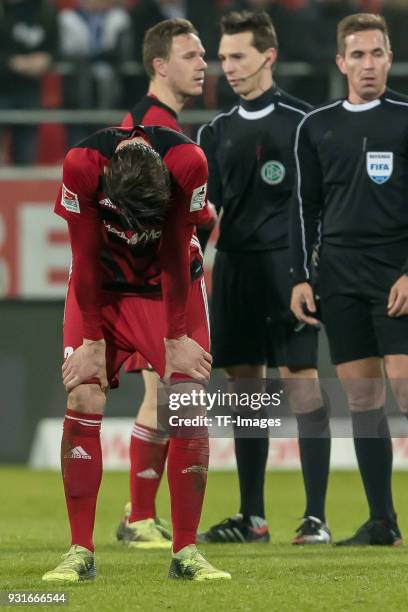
[{"x": 77, "y": 453}]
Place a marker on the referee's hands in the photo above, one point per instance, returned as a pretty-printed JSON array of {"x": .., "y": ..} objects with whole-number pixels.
[
  {"x": 185, "y": 356},
  {"x": 398, "y": 298},
  {"x": 303, "y": 304}
]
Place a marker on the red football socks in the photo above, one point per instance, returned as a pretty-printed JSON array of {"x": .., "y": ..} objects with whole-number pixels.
[
  {"x": 187, "y": 468},
  {"x": 148, "y": 452},
  {"x": 81, "y": 464}
]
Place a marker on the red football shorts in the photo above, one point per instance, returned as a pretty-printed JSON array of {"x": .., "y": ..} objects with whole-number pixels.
[
  {"x": 136, "y": 363},
  {"x": 136, "y": 324}
]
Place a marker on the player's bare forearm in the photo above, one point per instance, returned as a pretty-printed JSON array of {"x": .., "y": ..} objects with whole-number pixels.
[{"x": 87, "y": 362}]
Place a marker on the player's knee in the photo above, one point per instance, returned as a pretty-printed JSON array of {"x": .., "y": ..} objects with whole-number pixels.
[
  {"x": 87, "y": 399},
  {"x": 400, "y": 392},
  {"x": 363, "y": 383},
  {"x": 305, "y": 399},
  {"x": 302, "y": 389},
  {"x": 364, "y": 393}
]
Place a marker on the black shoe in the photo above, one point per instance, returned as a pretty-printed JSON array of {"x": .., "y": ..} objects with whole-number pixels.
[
  {"x": 375, "y": 532},
  {"x": 236, "y": 530},
  {"x": 312, "y": 531}
]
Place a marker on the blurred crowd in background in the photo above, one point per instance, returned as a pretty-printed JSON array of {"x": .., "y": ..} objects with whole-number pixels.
[{"x": 83, "y": 54}]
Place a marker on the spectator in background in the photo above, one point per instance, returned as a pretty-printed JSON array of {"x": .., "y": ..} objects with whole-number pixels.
[
  {"x": 95, "y": 38},
  {"x": 312, "y": 37},
  {"x": 281, "y": 17},
  {"x": 396, "y": 15},
  {"x": 318, "y": 39},
  {"x": 204, "y": 13},
  {"x": 28, "y": 43}
]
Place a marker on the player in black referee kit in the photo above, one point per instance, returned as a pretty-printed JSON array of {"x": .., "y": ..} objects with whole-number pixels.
[
  {"x": 251, "y": 177},
  {"x": 352, "y": 189}
]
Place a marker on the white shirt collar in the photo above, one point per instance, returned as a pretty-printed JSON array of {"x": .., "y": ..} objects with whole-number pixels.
[
  {"x": 360, "y": 108},
  {"x": 258, "y": 114}
]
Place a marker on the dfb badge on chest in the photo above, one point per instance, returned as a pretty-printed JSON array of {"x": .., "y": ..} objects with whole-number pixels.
[
  {"x": 273, "y": 172},
  {"x": 380, "y": 165}
]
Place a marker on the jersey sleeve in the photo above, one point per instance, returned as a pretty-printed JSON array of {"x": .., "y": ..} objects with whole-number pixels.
[
  {"x": 306, "y": 205},
  {"x": 189, "y": 171},
  {"x": 206, "y": 140},
  {"x": 76, "y": 202}
]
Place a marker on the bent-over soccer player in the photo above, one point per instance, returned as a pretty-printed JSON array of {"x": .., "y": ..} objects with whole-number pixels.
[{"x": 131, "y": 198}]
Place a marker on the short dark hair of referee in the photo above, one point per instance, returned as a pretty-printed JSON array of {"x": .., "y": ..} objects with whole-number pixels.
[
  {"x": 259, "y": 23},
  {"x": 249, "y": 150}
]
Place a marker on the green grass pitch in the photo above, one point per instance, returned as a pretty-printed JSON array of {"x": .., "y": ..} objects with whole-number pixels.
[{"x": 277, "y": 577}]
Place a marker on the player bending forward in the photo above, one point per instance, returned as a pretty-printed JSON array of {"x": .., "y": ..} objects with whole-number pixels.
[{"x": 131, "y": 198}]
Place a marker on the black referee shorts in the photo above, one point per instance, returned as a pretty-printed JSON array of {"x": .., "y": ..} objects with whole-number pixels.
[
  {"x": 354, "y": 286},
  {"x": 250, "y": 318}
]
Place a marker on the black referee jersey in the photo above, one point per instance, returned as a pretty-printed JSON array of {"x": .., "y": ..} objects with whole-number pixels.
[
  {"x": 252, "y": 169},
  {"x": 352, "y": 178}
]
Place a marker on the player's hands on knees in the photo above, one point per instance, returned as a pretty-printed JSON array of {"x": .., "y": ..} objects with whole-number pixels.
[
  {"x": 185, "y": 356},
  {"x": 86, "y": 362},
  {"x": 303, "y": 304},
  {"x": 398, "y": 298}
]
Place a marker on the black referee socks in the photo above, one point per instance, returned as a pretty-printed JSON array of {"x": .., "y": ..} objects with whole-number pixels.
[
  {"x": 252, "y": 455},
  {"x": 314, "y": 449},
  {"x": 372, "y": 442}
]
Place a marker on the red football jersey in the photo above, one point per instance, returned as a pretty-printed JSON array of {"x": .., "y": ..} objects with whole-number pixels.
[
  {"x": 148, "y": 111},
  {"x": 105, "y": 254},
  {"x": 151, "y": 111}
]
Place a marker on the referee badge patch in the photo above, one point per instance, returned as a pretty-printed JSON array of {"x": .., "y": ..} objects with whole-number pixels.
[
  {"x": 70, "y": 200},
  {"x": 198, "y": 198},
  {"x": 273, "y": 172},
  {"x": 380, "y": 165}
]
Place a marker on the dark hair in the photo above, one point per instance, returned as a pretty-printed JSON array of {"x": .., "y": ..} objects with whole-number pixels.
[
  {"x": 360, "y": 22},
  {"x": 158, "y": 39},
  {"x": 138, "y": 183},
  {"x": 257, "y": 22}
]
